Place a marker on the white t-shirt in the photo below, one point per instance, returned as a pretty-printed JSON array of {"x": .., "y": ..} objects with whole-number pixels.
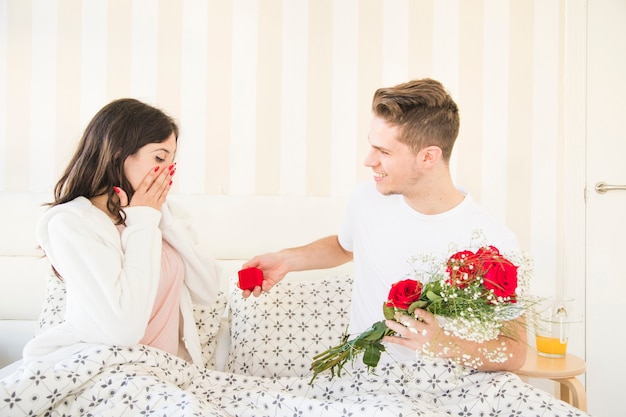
[{"x": 385, "y": 233}]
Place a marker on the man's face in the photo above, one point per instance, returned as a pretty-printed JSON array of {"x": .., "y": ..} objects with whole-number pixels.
[{"x": 395, "y": 167}]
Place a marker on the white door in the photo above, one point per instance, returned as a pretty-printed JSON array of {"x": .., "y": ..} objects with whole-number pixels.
[{"x": 606, "y": 213}]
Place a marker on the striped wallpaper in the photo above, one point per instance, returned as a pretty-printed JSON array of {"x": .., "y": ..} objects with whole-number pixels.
[{"x": 273, "y": 96}]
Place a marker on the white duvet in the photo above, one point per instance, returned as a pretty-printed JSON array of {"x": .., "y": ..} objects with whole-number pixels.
[{"x": 142, "y": 381}]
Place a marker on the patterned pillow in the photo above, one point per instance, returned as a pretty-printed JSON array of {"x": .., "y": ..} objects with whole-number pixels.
[
  {"x": 278, "y": 333},
  {"x": 207, "y": 318},
  {"x": 53, "y": 311}
]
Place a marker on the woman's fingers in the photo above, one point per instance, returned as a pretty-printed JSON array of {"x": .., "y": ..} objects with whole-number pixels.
[
  {"x": 121, "y": 194},
  {"x": 161, "y": 185},
  {"x": 156, "y": 180},
  {"x": 154, "y": 187}
]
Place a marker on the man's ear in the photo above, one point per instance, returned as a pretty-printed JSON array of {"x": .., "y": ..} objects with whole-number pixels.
[{"x": 430, "y": 154}]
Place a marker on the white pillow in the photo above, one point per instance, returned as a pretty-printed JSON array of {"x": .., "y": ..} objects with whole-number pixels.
[
  {"x": 279, "y": 332},
  {"x": 207, "y": 318}
]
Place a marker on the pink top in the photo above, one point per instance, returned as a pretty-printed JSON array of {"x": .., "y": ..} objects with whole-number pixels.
[{"x": 163, "y": 327}]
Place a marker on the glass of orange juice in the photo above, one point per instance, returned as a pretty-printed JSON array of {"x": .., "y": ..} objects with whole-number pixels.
[
  {"x": 551, "y": 325},
  {"x": 552, "y": 347}
]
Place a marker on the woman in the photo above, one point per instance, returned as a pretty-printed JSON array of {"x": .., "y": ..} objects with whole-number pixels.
[{"x": 126, "y": 255}]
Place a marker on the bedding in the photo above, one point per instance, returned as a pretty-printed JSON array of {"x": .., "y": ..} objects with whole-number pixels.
[
  {"x": 207, "y": 318},
  {"x": 296, "y": 319},
  {"x": 140, "y": 380}
]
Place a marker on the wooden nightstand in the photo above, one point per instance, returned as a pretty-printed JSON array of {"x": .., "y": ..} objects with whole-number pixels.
[{"x": 561, "y": 370}]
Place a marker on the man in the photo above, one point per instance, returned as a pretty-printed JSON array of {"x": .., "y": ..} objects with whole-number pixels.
[{"x": 411, "y": 207}]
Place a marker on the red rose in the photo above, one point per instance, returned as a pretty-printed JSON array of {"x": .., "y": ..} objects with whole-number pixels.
[
  {"x": 489, "y": 252},
  {"x": 404, "y": 293},
  {"x": 500, "y": 274},
  {"x": 463, "y": 268}
]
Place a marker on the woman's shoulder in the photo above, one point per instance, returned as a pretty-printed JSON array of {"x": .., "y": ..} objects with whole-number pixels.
[
  {"x": 76, "y": 217},
  {"x": 80, "y": 206},
  {"x": 79, "y": 210}
]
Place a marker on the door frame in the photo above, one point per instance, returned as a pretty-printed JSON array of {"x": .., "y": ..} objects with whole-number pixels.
[{"x": 572, "y": 272}]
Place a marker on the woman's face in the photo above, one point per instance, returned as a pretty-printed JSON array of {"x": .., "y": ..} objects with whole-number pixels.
[{"x": 147, "y": 158}]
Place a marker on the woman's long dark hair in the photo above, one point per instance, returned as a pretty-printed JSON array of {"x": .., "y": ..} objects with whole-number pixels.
[{"x": 116, "y": 132}]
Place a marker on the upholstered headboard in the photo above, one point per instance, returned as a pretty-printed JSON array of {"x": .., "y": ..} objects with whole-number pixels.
[{"x": 233, "y": 229}]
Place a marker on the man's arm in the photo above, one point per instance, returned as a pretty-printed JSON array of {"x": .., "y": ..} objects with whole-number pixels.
[{"x": 320, "y": 254}]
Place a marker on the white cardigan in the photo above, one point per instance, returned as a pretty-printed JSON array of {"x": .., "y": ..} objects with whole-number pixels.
[{"x": 111, "y": 282}]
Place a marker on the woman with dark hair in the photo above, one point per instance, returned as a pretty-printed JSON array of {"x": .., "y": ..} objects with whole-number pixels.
[{"x": 130, "y": 266}]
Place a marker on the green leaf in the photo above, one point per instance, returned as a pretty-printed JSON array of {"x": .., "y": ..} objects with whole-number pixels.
[
  {"x": 418, "y": 304},
  {"x": 434, "y": 286},
  {"x": 371, "y": 356},
  {"x": 376, "y": 332},
  {"x": 389, "y": 312},
  {"x": 432, "y": 296}
]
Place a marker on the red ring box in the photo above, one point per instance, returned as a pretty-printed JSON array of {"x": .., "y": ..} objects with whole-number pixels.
[{"x": 250, "y": 278}]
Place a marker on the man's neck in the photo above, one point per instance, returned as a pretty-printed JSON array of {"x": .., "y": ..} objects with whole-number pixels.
[{"x": 434, "y": 199}]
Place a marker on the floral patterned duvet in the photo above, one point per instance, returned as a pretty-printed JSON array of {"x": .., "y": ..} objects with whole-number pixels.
[{"x": 142, "y": 381}]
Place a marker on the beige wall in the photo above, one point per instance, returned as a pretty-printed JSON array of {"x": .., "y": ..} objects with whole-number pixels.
[{"x": 273, "y": 96}]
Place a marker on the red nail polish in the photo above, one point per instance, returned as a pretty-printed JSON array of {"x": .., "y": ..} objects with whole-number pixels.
[
  {"x": 172, "y": 172},
  {"x": 116, "y": 189},
  {"x": 156, "y": 168},
  {"x": 170, "y": 167},
  {"x": 170, "y": 182}
]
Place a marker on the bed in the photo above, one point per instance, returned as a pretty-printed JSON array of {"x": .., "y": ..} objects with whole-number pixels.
[{"x": 256, "y": 351}]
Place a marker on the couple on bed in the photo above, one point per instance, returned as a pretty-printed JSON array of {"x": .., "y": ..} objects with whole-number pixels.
[{"x": 133, "y": 273}]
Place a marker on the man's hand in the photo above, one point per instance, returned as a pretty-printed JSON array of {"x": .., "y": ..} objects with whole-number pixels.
[{"x": 274, "y": 269}]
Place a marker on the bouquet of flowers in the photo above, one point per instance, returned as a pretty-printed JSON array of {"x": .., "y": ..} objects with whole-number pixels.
[{"x": 473, "y": 292}]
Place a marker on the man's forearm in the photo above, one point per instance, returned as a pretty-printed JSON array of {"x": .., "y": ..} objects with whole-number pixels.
[{"x": 320, "y": 254}]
